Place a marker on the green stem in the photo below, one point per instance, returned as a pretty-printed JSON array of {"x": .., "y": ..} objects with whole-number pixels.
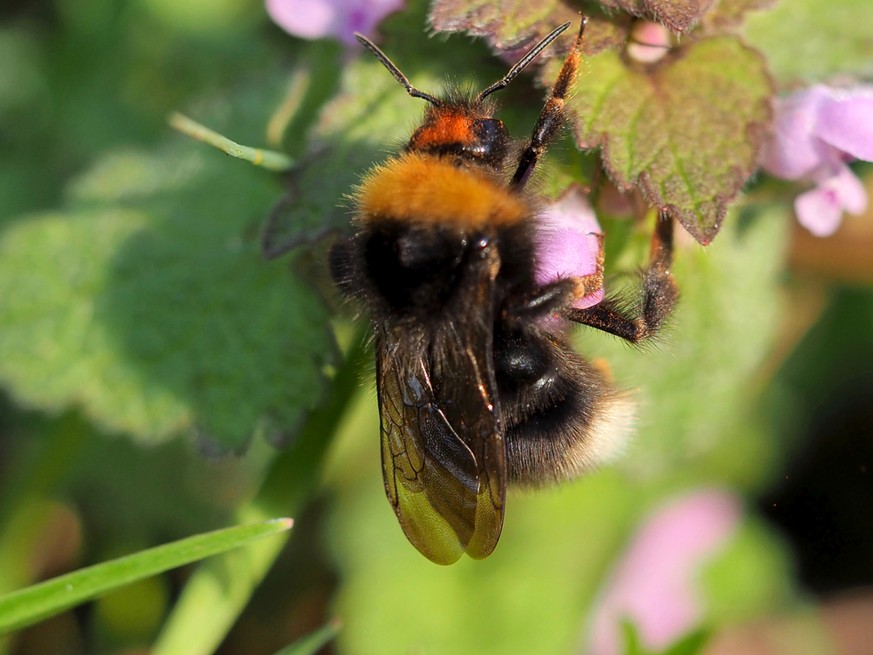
[
  {"x": 218, "y": 591},
  {"x": 269, "y": 159}
]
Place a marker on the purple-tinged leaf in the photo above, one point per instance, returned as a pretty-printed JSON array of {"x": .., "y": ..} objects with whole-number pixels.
[
  {"x": 515, "y": 24},
  {"x": 678, "y": 15},
  {"x": 686, "y": 131}
]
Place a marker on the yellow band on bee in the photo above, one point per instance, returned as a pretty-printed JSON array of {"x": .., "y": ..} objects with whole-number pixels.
[{"x": 422, "y": 188}]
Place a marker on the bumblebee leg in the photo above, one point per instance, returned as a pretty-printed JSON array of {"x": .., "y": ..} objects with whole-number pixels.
[
  {"x": 555, "y": 296},
  {"x": 659, "y": 294},
  {"x": 551, "y": 117},
  {"x": 543, "y": 301}
]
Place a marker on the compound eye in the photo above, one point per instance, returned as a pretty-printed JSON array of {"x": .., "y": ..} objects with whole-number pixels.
[
  {"x": 490, "y": 132},
  {"x": 491, "y": 139},
  {"x": 491, "y": 128}
]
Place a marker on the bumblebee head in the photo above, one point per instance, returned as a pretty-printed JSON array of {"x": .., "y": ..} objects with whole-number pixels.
[
  {"x": 462, "y": 131},
  {"x": 464, "y": 128}
]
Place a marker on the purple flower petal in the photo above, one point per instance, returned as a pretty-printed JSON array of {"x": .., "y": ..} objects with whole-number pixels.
[
  {"x": 308, "y": 19},
  {"x": 815, "y": 132},
  {"x": 655, "y": 582},
  {"x": 845, "y": 121},
  {"x": 849, "y": 190},
  {"x": 340, "y": 19},
  {"x": 794, "y": 150},
  {"x": 820, "y": 210},
  {"x": 568, "y": 244}
]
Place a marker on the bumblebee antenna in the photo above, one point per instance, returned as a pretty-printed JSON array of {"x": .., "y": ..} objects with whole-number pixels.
[
  {"x": 521, "y": 65},
  {"x": 400, "y": 77}
]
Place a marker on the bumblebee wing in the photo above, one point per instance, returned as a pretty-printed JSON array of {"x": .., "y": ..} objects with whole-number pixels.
[
  {"x": 430, "y": 474},
  {"x": 465, "y": 390},
  {"x": 443, "y": 456}
]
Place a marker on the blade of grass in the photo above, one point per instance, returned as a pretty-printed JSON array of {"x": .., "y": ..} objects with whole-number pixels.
[
  {"x": 37, "y": 602},
  {"x": 219, "y": 590}
]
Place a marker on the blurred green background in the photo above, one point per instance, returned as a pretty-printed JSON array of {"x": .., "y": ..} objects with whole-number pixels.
[{"x": 157, "y": 373}]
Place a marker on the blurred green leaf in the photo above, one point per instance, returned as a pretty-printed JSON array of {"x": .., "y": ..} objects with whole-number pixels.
[
  {"x": 30, "y": 605},
  {"x": 147, "y": 304},
  {"x": 691, "y": 644},
  {"x": 134, "y": 611},
  {"x": 726, "y": 16},
  {"x": 213, "y": 17},
  {"x": 697, "y": 385},
  {"x": 813, "y": 40},
  {"x": 143, "y": 299},
  {"x": 632, "y": 641},
  {"x": 92, "y": 75},
  {"x": 749, "y": 577},
  {"x": 687, "y": 131}
]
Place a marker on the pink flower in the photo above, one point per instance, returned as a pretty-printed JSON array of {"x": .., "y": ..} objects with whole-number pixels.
[
  {"x": 569, "y": 243},
  {"x": 340, "y": 19},
  {"x": 815, "y": 133},
  {"x": 654, "y": 584},
  {"x": 649, "y": 42}
]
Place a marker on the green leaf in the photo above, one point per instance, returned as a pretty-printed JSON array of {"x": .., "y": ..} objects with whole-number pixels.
[
  {"x": 751, "y": 575},
  {"x": 30, "y": 605},
  {"x": 721, "y": 332},
  {"x": 687, "y": 132},
  {"x": 514, "y": 24},
  {"x": 689, "y": 644},
  {"x": 631, "y": 636},
  {"x": 147, "y": 304},
  {"x": 813, "y": 40},
  {"x": 313, "y": 642}
]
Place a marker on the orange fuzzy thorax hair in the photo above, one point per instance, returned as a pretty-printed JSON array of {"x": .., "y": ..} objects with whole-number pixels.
[
  {"x": 423, "y": 188},
  {"x": 444, "y": 126}
]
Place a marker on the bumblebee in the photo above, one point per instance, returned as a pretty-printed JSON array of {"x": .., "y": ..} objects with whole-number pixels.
[{"x": 478, "y": 388}]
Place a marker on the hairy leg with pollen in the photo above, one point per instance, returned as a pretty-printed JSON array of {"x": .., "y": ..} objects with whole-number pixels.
[
  {"x": 659, "y": 294},
  {"x": 552, "y": 115}
]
